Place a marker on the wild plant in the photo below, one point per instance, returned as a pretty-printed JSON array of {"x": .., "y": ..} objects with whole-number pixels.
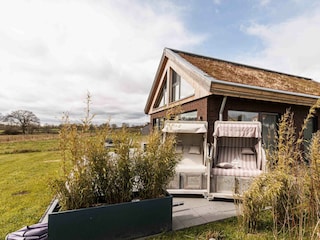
[
  {"x": 93, "y": 174},
  {"x": 75, "y": 188},
  {"x": 155, "y": 167},
  {"x": 290, "y": 188}
]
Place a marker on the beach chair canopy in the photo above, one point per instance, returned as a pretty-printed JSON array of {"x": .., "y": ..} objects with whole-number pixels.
[
  {"x": 190, "y": 127},
  {"x": 237, "y": 129}
]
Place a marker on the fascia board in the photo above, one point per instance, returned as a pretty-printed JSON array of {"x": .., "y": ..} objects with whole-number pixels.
[
  {"x": 259, "y": 89},
  {"x": 163, "y": 61}
]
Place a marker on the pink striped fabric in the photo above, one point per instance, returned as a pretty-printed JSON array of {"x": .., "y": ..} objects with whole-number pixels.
[
  {"x": 231, "y": 150},
  {"x": 236, "y": 172},
  {"x": 238, "y": 129},
  {"x": 237, "y": 142},
  {"x": 231, "y": 154}
]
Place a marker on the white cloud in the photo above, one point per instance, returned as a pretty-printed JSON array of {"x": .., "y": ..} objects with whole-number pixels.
[
  {"x": 264, "y": 2},
  {"x": 53, "y": 52},
  {"x": 291, "y": 46},
  {"x": 216, "y": 2}
]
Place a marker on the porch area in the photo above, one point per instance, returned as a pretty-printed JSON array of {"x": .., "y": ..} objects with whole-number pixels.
[{"x": 197, "y": 210}]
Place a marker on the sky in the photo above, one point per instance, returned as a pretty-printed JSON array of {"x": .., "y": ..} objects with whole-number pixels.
[{"x": 54, "y": 52}]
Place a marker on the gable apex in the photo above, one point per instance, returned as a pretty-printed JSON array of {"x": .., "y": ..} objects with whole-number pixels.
[{"x": 190, "y": 77}]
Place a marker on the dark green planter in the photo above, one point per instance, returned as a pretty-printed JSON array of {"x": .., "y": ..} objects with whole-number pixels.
[{"x": 117, "y": 221}]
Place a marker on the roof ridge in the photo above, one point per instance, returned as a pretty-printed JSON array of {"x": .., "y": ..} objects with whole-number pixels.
[{"x": 239, "y": 64}]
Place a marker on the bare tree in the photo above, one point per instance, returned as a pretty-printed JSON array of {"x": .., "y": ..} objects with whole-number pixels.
[{"x": 27, "y": 120}]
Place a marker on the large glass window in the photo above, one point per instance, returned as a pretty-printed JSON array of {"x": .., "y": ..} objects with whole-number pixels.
[
  {"x": 162, "y": 99},
  {"x": 268, "y": 121},
  {"x": 308, "y": 132},
  {"x": 186, "y": 90},
  {"x": 175, "y": 86},
  {"x": 179, "y": 87},
  {"x": 269, "y": 128}
]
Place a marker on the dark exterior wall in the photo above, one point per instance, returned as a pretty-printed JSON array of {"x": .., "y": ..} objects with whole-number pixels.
[
  {"x": 208, "y": 108},
  {"x": 239, "y": 104},
  {"x": 200, "y": 105},
  {"x": 214, "y": 105},
  {"x": 300, "y": 112}
]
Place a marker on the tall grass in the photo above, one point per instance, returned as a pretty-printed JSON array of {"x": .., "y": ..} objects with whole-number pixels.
[
  {"x": 93, "y": 174},
  {"x": 291, "y": 187}
]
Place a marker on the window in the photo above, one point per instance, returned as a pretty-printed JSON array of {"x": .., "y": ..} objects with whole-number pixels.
[
  {"x": 308, "y": 132},
  {"x": 268, "y": 121},
  {"x": 162, "y": 99},
  {"x": 175, "y": 86},
  {"x": 158, "y": 123},
  {"x": 189, "y": 116},
  {"x": 242, "y": 116},
  {"x": 186, "y": 90},
  {"x": 179, "y": 87},
  {"x": 269, "y": 128}
]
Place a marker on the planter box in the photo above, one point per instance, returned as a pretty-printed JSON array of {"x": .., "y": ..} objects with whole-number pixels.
[{"x": 116, "y": 221}]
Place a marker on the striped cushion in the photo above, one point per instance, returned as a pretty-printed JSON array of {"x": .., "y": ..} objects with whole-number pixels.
[
  {"x": 245, "y": 165},
  {"x": 230, "y": 150},
  {"x": 236, "y": 142},
  {"x": 232, "y": 155},
  {"x": 240, "y": 172}
]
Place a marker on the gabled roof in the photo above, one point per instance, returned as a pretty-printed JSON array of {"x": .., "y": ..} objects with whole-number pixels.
[
  {"x": 244, "y": 74},
  {"x": 239, "y": 80}
]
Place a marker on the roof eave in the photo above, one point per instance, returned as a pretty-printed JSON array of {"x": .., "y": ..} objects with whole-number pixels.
[{"x": 220, "y": 87}]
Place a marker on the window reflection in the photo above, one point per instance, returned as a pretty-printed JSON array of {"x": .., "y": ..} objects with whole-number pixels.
[
  {"x": 189, "y": 116},
  {"x": 268, "y": 121},
  {"x": 179, "y": 87},
  {"x": 242, "y": 116}
]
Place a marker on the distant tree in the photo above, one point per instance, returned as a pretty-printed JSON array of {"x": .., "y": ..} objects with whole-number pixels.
[{"x": 27, "y": 120}]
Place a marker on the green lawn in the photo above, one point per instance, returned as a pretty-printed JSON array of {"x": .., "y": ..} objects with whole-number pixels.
[
  {"x": 226, "y": 229},
  {"x": 26, "y": 168}
]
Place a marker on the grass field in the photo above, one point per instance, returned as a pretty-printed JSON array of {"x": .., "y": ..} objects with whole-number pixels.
[{"x": 26, "y": 166}]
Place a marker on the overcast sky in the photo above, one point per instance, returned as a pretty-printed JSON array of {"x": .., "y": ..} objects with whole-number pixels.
[{"x": 52, "y": 52}]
